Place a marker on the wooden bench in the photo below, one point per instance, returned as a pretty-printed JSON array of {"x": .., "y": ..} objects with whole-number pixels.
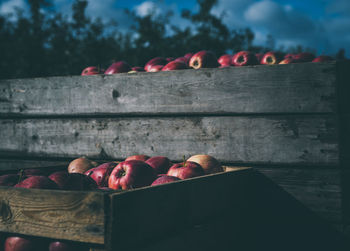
[{"x": 290, "y": 122}]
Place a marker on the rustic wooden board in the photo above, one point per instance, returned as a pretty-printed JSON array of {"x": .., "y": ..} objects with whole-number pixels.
[
  {"x": 18, "y": 164},
  {"x": 319, "y": 189},
  {"x": 77, "y": 216},
  {"x": 294, "y": 88},
  {"x": 277, "y": 139},
  {"x": 224, "y": 212},
  {"x": 145, "y": 216}
]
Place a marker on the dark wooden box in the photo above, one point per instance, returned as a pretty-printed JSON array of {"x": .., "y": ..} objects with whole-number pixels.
[{"x": 290, "y": 122}]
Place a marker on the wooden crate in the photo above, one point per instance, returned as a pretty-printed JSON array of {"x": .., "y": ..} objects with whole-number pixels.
[{"x": 291, "y": 122}]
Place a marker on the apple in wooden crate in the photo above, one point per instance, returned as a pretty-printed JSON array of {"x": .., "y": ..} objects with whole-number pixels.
[
  {"x": 162, "y": 179},
  {"x": 21, "y": 243},
  {"x": 185, "y": 170},
  {"x": 160, "y": 164},
  {"x": 131, "y": 174},
  {"x": 39, "y": 182},
  {"x": 101, "y": 173},
  {"x": 138, "y": 157},
  {"x": 207, "y": 162},
  {"x": 81, "y": 165}
]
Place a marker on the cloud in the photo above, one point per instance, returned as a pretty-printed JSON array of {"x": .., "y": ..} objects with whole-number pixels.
[
  {"x": 147, "y": 8},
  {"x": 10, "y": 6}
]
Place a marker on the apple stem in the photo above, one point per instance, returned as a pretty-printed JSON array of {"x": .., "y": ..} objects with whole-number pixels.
[
  {"x": 184, "y": 159},
  {"x": 20, "y": 175}
]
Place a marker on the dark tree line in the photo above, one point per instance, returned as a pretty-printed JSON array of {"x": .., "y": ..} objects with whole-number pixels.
[{"x": 53, "y": 44}]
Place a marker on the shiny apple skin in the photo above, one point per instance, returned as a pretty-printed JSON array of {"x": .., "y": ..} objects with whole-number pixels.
[
  {"x": 39, "y": 182},
  {"x": 164, "y": 179},
  {"x": 160, "y": 164},
  {"x": 118, "y": 67},
  {"x": 131, "y": 174},
  {"x": 244, "y": 58},
  {"x": 203, "y": 59},
  {"x": 186, "y": 170},
  {"x": 225, "y": 60},
  {"x": 175, "y": 65},
  {"x": 101, "y": 173},
  {"x": 155, "y": 61},
  {"x": 138, "y": 157}
]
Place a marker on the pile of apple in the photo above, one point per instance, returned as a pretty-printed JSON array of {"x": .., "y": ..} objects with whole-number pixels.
[
  {"x": 207, "y": 59},
  {"x": 83, "y": 174}
]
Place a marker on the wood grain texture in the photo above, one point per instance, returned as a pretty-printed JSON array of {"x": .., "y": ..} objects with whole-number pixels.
[
  {"x": 319, "y": 189},
  {"x": 294, "y": 88},
  {"x": 310, "y": 140},
  {"x": 76, "y": 216}
]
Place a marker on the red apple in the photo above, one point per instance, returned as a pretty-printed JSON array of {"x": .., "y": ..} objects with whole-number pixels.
[
  {"x": 137, "y": 157},
  {"x": 9, "y": 179},
  {"x": 66, "y": 246},
  {"x": 160, "y": 164},
  {"x": 155, "y": 61},
  {"x": 203, "y": 59},
  {"x": 304, "y": 57},
  {"x": 137, "y": 69},
  {"x": 131, "y": 174},
  {"x": 182, "y": 59},
  {"x": 174, "y": 65},
  {"x": 60, "y": 178},
  {"x": 118, "y": 67},
  {"x": 244, "y": 58},
  {"x": 288, "y": 61},
  {"x": 289, "y": 55},
  {"x": 207, "y": 162},
  {"x": 185, "y": 170},
  {"x": 322, "y": 58},
  {"x": 155, "y": 68},
  {"x": 81, "y": 165},
  {"x": 271, "y": 57},
  {"x": 41, "y": 182},
  {"x": 16, "y": 243},
  {"x": 101, "y": 173},
  {"x": 225, "y": 60},
  {"x": 164, "y": 179},
  {"x": 91, "y": 70}
]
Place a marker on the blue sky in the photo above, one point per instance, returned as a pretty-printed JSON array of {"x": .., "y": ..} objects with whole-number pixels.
[{"x": 320, "y": 24}]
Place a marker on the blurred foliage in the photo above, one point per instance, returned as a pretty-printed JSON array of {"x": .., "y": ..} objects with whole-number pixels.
[{"x": 47, "y": 43}]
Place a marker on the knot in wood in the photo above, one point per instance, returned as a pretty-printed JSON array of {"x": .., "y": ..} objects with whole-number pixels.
[{"x": 5, "y": 211}]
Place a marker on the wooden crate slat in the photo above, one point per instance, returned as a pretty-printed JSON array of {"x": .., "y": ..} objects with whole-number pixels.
[
  {"x": 294, "y": 88},
  {"x": 320, "y": 189},
  {"x": 147, "y": 216},
  {"x": 311, "y": 140},
  {"x": 76, "y": 216},
  {"x": 17, "y": 164}
]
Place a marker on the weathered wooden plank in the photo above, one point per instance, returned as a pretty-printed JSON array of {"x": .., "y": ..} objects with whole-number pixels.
[
  {"x": 223, "y": 211},
  {"x": 145, "y": 216},
  {"x": 289, "y": 139},
  {"x": 17, "y": 164},
  {"x": 294, "y": 88},
  {"x": 77, "y": 216},
  {"x": 319, "y": 189}
]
